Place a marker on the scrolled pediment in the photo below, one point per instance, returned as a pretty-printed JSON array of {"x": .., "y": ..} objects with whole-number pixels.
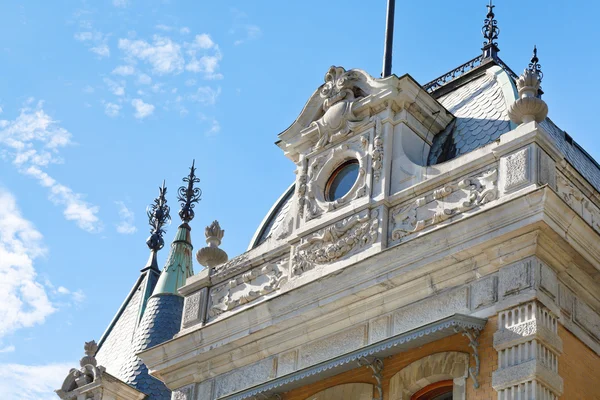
[{"x": 347, "y": 100}]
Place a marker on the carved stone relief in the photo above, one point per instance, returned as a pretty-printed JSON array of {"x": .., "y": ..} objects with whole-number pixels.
[
  {"x": 184, "y": 393},
  {"x": 578, "y": 202},
  {"x": 248, "y": 287},
  {"x": 516, "y": 169},
  {"x": 311, "y": 187},
  {"x": 336, "y": 241},
  {"x": 444, "y": 203},
  {"x": 377, "y": 155},
  {"x": 339, "y": 93}
]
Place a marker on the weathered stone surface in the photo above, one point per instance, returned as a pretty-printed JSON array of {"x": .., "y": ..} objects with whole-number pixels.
[
  {"x": 514, "y": 278},
  {"x": 379, "y": 329},
  {"x": 286, "y": 363},
  {"x": 184, "y": 393},
  {"x": 516, "y": 169},
  {"x": 194, "y": 308},
  {"x": 586, "y": 318},
  {"x": 566, "y": 300},
  {"x": 484, "y": 292},
  {"x": 204, "y": 391},
  {"x": 546, "y": 169},
  {"x": 332, "y": 346},
  {"x": 432, "y": 309},
  {"x": 244, "y": 377},
  {"x": 526, "y": 372},
  {"x": 548, "y": 281}
]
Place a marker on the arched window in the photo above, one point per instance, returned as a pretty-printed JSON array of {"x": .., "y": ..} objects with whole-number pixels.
[
  {"x": 439, "y": 376},
  {"x": 441, "y": 390}
]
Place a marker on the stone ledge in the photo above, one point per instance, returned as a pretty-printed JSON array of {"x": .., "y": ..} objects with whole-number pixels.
[
  {"x": 528, "y": 371},
  {"x": 507, "y": 338}
]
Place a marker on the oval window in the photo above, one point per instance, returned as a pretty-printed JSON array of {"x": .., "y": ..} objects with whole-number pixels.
[{"x": 342, "y": 180}]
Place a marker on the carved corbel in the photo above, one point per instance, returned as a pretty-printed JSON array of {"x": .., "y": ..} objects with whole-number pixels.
[
  {"x": 376, "y": 365},
  {"x": 473, "y": 335}
]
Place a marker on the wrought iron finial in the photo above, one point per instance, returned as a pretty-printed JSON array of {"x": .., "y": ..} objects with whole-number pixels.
[
  {"x": 158, "y": 216},
  {"x": 490, "y": 32},
  {"x": 189, "y": 195},
  {"x": 534, "y": 66}
]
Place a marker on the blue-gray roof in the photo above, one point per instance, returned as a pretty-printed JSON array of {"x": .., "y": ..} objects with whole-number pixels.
[{"x": 161, "y": 321}]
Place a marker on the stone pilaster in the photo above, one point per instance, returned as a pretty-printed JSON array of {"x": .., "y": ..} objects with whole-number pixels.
[{"x": 528, "y": 349}]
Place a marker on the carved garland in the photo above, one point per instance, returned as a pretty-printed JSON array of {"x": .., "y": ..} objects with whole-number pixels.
[
  {"x": 248, "y": 287},
  {"x": 336, "y": 241},
  {"x": 377, "y": 151},
  {"x": 444, "y": 203}
]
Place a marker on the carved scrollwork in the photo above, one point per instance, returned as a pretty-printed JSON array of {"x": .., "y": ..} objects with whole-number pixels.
[
  {"x": 578, "y": 202},
  {"x": 336, "y": 241},
  {"x": 444, "y": 203},
  {"x": 248, "y": 286},
  {"x": 339, "y": 92},
  {"x": 319, "y": 170},
  {"x": 377, "y": 156}
]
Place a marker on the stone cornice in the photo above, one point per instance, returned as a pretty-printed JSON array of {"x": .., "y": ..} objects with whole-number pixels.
[{"x": 401, "y": 269}]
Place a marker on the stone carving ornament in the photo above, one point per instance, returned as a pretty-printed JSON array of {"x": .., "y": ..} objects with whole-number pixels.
[
  {"x": 377, "y": 151},
  {"x": 248, "y": 287},
  {"x": 311, "y": 187},
  {"x": 579, "y": 202},
  {"x": 444, "y": 203},
  {"x": 339, "y": 92},
  {"x": 336, "y": 241}
]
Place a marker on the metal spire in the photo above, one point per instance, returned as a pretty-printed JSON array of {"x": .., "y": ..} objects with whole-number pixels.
[
  {"x": 490, "y": 32},
  {"x": 534, "y": 66},
  {"x": 189, "y": 195},
  {"x": 389, "y": 39},
  {"x": 158, "y": 216}
]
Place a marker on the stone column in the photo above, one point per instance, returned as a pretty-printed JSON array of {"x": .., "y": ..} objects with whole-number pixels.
[{"x": 528, "y": 348}]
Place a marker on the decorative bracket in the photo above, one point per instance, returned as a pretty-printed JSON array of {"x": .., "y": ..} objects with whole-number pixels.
[
  {"x": 473, "y": 335},
  {"x": 376, "y": 365}
]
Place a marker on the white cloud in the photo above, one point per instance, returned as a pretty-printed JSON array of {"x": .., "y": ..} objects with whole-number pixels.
[
  {"x": 78, "y": 296},
  {"x": 185, "y": 30},
  {"x": 164, "y": 55},
  {"x": 8, "y": 349},
  {"x": 142, "y": 110},
  {"x": 95, "y": 41},
  {"x": 1, "y": 110},
  {"x": 190, "y": 82},
  {"x": 118, "y": 89},
  {"x": 32, "y": 382},
  {"x": 251, "y": 32},
  {"x": 120, "y": 3},
  {"x": 101, "y": 50},
  {"x": 112, "y": 109},
  {"x": 206, "y": 95},
  {"x": 204, "y": 41},
  {"x": 164, "y": 28},
  {"x": 124, "y": 70},
  {"x": 144, "y": 79},
  {"x": 214, "y": 129},
  {"x": 126, "y": 225},
  {"x": 24, "y": 300},
  {"x": 32, "y": 140}
]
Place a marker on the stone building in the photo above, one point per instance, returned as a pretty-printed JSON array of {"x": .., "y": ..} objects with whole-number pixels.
[{"x": 440, "y": 241}]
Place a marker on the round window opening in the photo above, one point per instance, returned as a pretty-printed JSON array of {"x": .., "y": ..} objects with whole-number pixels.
[{"x": 342, "y": 180}]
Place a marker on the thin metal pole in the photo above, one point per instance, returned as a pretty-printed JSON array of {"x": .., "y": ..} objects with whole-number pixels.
[{"x": 389, "y": 39}]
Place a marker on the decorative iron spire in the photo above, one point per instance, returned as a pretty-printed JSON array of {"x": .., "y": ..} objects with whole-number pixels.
[
  {"x": 534, "y": 66},
  {"x": 189, "y": 196},
  {"x": 158, "y": 216},
  {"x": 490, "y": 32}
]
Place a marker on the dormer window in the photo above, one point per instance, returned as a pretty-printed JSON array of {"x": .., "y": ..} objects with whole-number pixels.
[{"x": 342, "y": 180}]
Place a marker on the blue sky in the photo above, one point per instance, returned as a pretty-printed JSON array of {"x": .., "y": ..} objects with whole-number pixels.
[{"x": 102, "y": 100}]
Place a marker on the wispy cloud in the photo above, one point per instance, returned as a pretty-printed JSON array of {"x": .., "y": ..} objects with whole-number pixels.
[
  {"x": 118, "y": 89},
  {"x": 32, "y": 141},
  {"x": 120, "y": 3},
  {"x": 126, "y": 226},
  {"x": 163, "y": 54},
  {"x": 8, "y": 349},
  {"x": 32, "y": 382},
  {"x": 112, "y": 109},
  {"x": 124, "y": 70},
  {"x": 243, "y": 30},
  {"x": 78, "y": 296},
  {"x": 95, "y": 41},
  {"x": 251, "y": 32},
  {"x": 214, "y": 129},
  {"x": 142, "y": 110},
  {"x": 24, "y": 302},
  {"x": 206, "y": 95}
]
